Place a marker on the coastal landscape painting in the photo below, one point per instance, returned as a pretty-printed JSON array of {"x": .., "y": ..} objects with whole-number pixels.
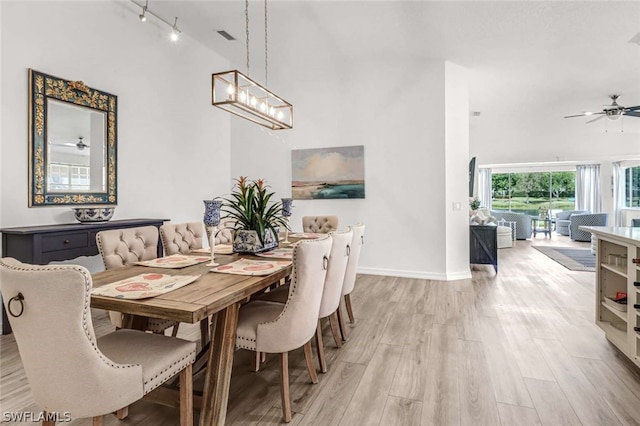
[{"x": 324, "y": 173}]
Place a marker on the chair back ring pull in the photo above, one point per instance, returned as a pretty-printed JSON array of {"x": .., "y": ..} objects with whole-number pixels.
[
  {"x": 348, "y": 249},
  {"x": 19, "y": 298},
  {"x": 325, "y": 262}
]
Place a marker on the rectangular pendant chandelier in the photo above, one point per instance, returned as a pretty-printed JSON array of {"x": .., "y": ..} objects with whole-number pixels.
[{"x": 238, "y": 94}]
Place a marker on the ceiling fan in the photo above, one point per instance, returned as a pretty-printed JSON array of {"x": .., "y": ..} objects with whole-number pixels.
[
  {"x": 80, "y": 144},
  {"x": 612, "y": 112}
]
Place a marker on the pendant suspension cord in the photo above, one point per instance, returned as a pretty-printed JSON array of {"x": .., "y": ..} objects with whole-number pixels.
[
  {"x": 266, "y": 50},
  {"x": 246, "y": 16}
]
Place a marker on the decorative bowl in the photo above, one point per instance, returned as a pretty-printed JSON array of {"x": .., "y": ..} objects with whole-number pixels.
[{"x": 93, "y": 214}]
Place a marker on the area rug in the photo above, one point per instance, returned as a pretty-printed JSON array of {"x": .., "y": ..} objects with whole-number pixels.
[{"x": 575, "y": 259}]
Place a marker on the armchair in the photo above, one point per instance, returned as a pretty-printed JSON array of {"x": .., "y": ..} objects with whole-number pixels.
[
  {"x": 563, "y": 220},
  {"x": 523, "y": 222},
  {"x": 585, "y": 219}
]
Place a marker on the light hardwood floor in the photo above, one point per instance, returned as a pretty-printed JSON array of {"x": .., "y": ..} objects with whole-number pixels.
[{"x": 516, "y": 348}]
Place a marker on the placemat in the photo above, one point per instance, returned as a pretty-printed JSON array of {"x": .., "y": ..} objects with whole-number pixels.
[
  {"x": 279, "y": 253},
  {"x": 144, "y": 285},
  {"x": 174, "y": 261},
  {"x": 220, "y": 249},
  {"x": 252, "y": 267},
  {"x": 307, "y": 235}
]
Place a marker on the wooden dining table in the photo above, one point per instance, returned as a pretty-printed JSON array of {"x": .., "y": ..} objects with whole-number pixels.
[{"x": 212, "y": 293}]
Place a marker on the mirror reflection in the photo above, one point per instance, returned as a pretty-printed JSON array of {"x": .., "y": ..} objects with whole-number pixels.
[{"x": 76, "y": 156}]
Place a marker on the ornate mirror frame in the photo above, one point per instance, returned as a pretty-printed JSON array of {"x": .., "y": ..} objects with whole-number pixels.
[{"x": 41, "y": 88}]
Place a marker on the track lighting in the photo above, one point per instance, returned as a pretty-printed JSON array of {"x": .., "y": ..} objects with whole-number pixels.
[
  {"x": 175, "y": 32},
  {"x": 143, "y": 16}
]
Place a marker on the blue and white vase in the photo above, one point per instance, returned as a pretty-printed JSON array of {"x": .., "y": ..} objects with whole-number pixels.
[
  {"x": 247, "y": 241},
  {"x": 287, "y": 205},
  {"x": 212, "y": 212},
  {"x": 211, "y": 216}
]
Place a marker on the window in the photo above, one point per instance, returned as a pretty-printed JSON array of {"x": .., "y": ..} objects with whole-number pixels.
[
  {"x": 527, "y": 192},
  {"x": 632, "y": 187},
  {"x": 63, "y": 177}
]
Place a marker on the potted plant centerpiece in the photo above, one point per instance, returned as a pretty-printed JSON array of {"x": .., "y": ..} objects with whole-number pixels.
[{"x": 257, "y": 219}]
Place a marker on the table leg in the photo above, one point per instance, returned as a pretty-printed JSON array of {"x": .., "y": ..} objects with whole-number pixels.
[{"x": 218, "y": 377}]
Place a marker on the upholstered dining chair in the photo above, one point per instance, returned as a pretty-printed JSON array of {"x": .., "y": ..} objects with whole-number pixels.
[
  {"x": 350, "y": 275},
  {"x": 271, "y": 327},
  {"x": 225, "y": 231},
  {"x": 181, "y": 237},
  {"x": 319, "y": 224},
  {"x": 122, "y": 247},
  {"x": 331, "y": 294},
  {"x": 68, "y": 369}
]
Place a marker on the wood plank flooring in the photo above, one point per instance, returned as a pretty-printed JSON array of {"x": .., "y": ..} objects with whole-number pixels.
[{"x": 516, "y": 348}]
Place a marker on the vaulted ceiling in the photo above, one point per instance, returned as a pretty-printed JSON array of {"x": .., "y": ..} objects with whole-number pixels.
[{"x": 525, "y": 57}]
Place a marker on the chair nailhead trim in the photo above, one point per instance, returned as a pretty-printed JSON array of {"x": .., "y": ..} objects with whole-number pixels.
[
  {"x": 170, "y": 367},
  {"x": 85, "y": 308}
]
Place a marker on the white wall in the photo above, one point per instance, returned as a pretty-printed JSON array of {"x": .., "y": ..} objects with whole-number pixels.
[
  {"x": 173, "y": 145},
  {"x": 396, "y": 110}
]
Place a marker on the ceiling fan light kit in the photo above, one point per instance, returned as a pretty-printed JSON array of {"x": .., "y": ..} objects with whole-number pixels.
[{"x": 612, "y": 112}]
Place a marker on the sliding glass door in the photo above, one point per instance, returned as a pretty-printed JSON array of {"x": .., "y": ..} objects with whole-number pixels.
[{"x": 528, "y": 191}]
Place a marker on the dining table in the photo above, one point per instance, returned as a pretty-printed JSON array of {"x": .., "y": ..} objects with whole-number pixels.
[{"x": 212, "y": 294}]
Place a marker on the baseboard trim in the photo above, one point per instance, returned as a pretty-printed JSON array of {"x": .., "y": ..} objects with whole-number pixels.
[{"x": 462, "y": 275}]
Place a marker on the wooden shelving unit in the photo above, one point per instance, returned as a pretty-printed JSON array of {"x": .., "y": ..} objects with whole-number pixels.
[{"x": 616, "y": 272}]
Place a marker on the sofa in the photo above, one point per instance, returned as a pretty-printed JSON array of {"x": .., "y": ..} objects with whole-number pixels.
[
  {"x": 585, "y": 219},
  {"x": 563, "y": 220},
  {"x": 523, "y": 222}
]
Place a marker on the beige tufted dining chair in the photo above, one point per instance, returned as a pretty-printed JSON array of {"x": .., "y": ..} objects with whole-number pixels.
[
  {"x": 68, "y": 369},
  {"x": 123, "y": 247},
  {"x": 225, "y": 231},
  {"x": 319, "y": 224},
  {"x": 275, "y": 328},
  {"x": 350, "y": 274},
  {"x": 181, "y": 237},
  {"x": 331, "y": 294}
]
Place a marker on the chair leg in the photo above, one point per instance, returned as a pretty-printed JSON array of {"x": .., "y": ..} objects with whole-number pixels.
[
  {"x": 284, "y": 386},
  {"x": 320, "y": 347},
  {"x": 311, "y": 367},
  {"x": 97, "y": 421},
  {"x": 174, "y": 332},
  {"x": 347, "y": 302},
  {"x": 122, "y": 413},
  {"x": 333, "y": 321},
  {"x": 256, "y": 366},
  {"x": 343, "y": 326},
  {"x": 48, "y": 422},
  {"x": 186, "y": 396}
]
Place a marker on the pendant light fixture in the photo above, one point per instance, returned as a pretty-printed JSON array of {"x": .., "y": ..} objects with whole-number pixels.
[{"x": 235, "y": 92}]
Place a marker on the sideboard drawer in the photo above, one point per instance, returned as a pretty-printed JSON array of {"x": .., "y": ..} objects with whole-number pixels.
[{"x": 64, "y": 241}]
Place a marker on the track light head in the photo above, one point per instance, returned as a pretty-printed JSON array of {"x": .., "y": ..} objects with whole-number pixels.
[
  {"x": 174, "y": 30},
  {"x": 143, "y": 16}
]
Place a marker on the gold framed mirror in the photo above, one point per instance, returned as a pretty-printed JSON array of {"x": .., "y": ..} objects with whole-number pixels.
[{"x": 72, "y": 143}]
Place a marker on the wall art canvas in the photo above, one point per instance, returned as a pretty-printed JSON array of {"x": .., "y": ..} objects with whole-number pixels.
[{"x": 324, "y": 173}]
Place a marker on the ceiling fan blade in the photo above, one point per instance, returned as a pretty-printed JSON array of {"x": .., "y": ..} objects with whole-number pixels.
[
  {"x": 583, "y": 114},
  {"x": 632, "y": 113},
  {"x": 633, "y": 108},
  {"x": 595, "y": 119}
]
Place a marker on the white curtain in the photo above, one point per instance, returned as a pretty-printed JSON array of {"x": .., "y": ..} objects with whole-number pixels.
[
  {"x": 588, "y": 195},
  {"x": 484, "y": 187},
  {"x": 618, "y": 192}
]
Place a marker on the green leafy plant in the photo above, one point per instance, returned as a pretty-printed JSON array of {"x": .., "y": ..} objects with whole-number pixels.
[
  {"x": 474, "y": 204},
  {"x": 250, "y": 207}
]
